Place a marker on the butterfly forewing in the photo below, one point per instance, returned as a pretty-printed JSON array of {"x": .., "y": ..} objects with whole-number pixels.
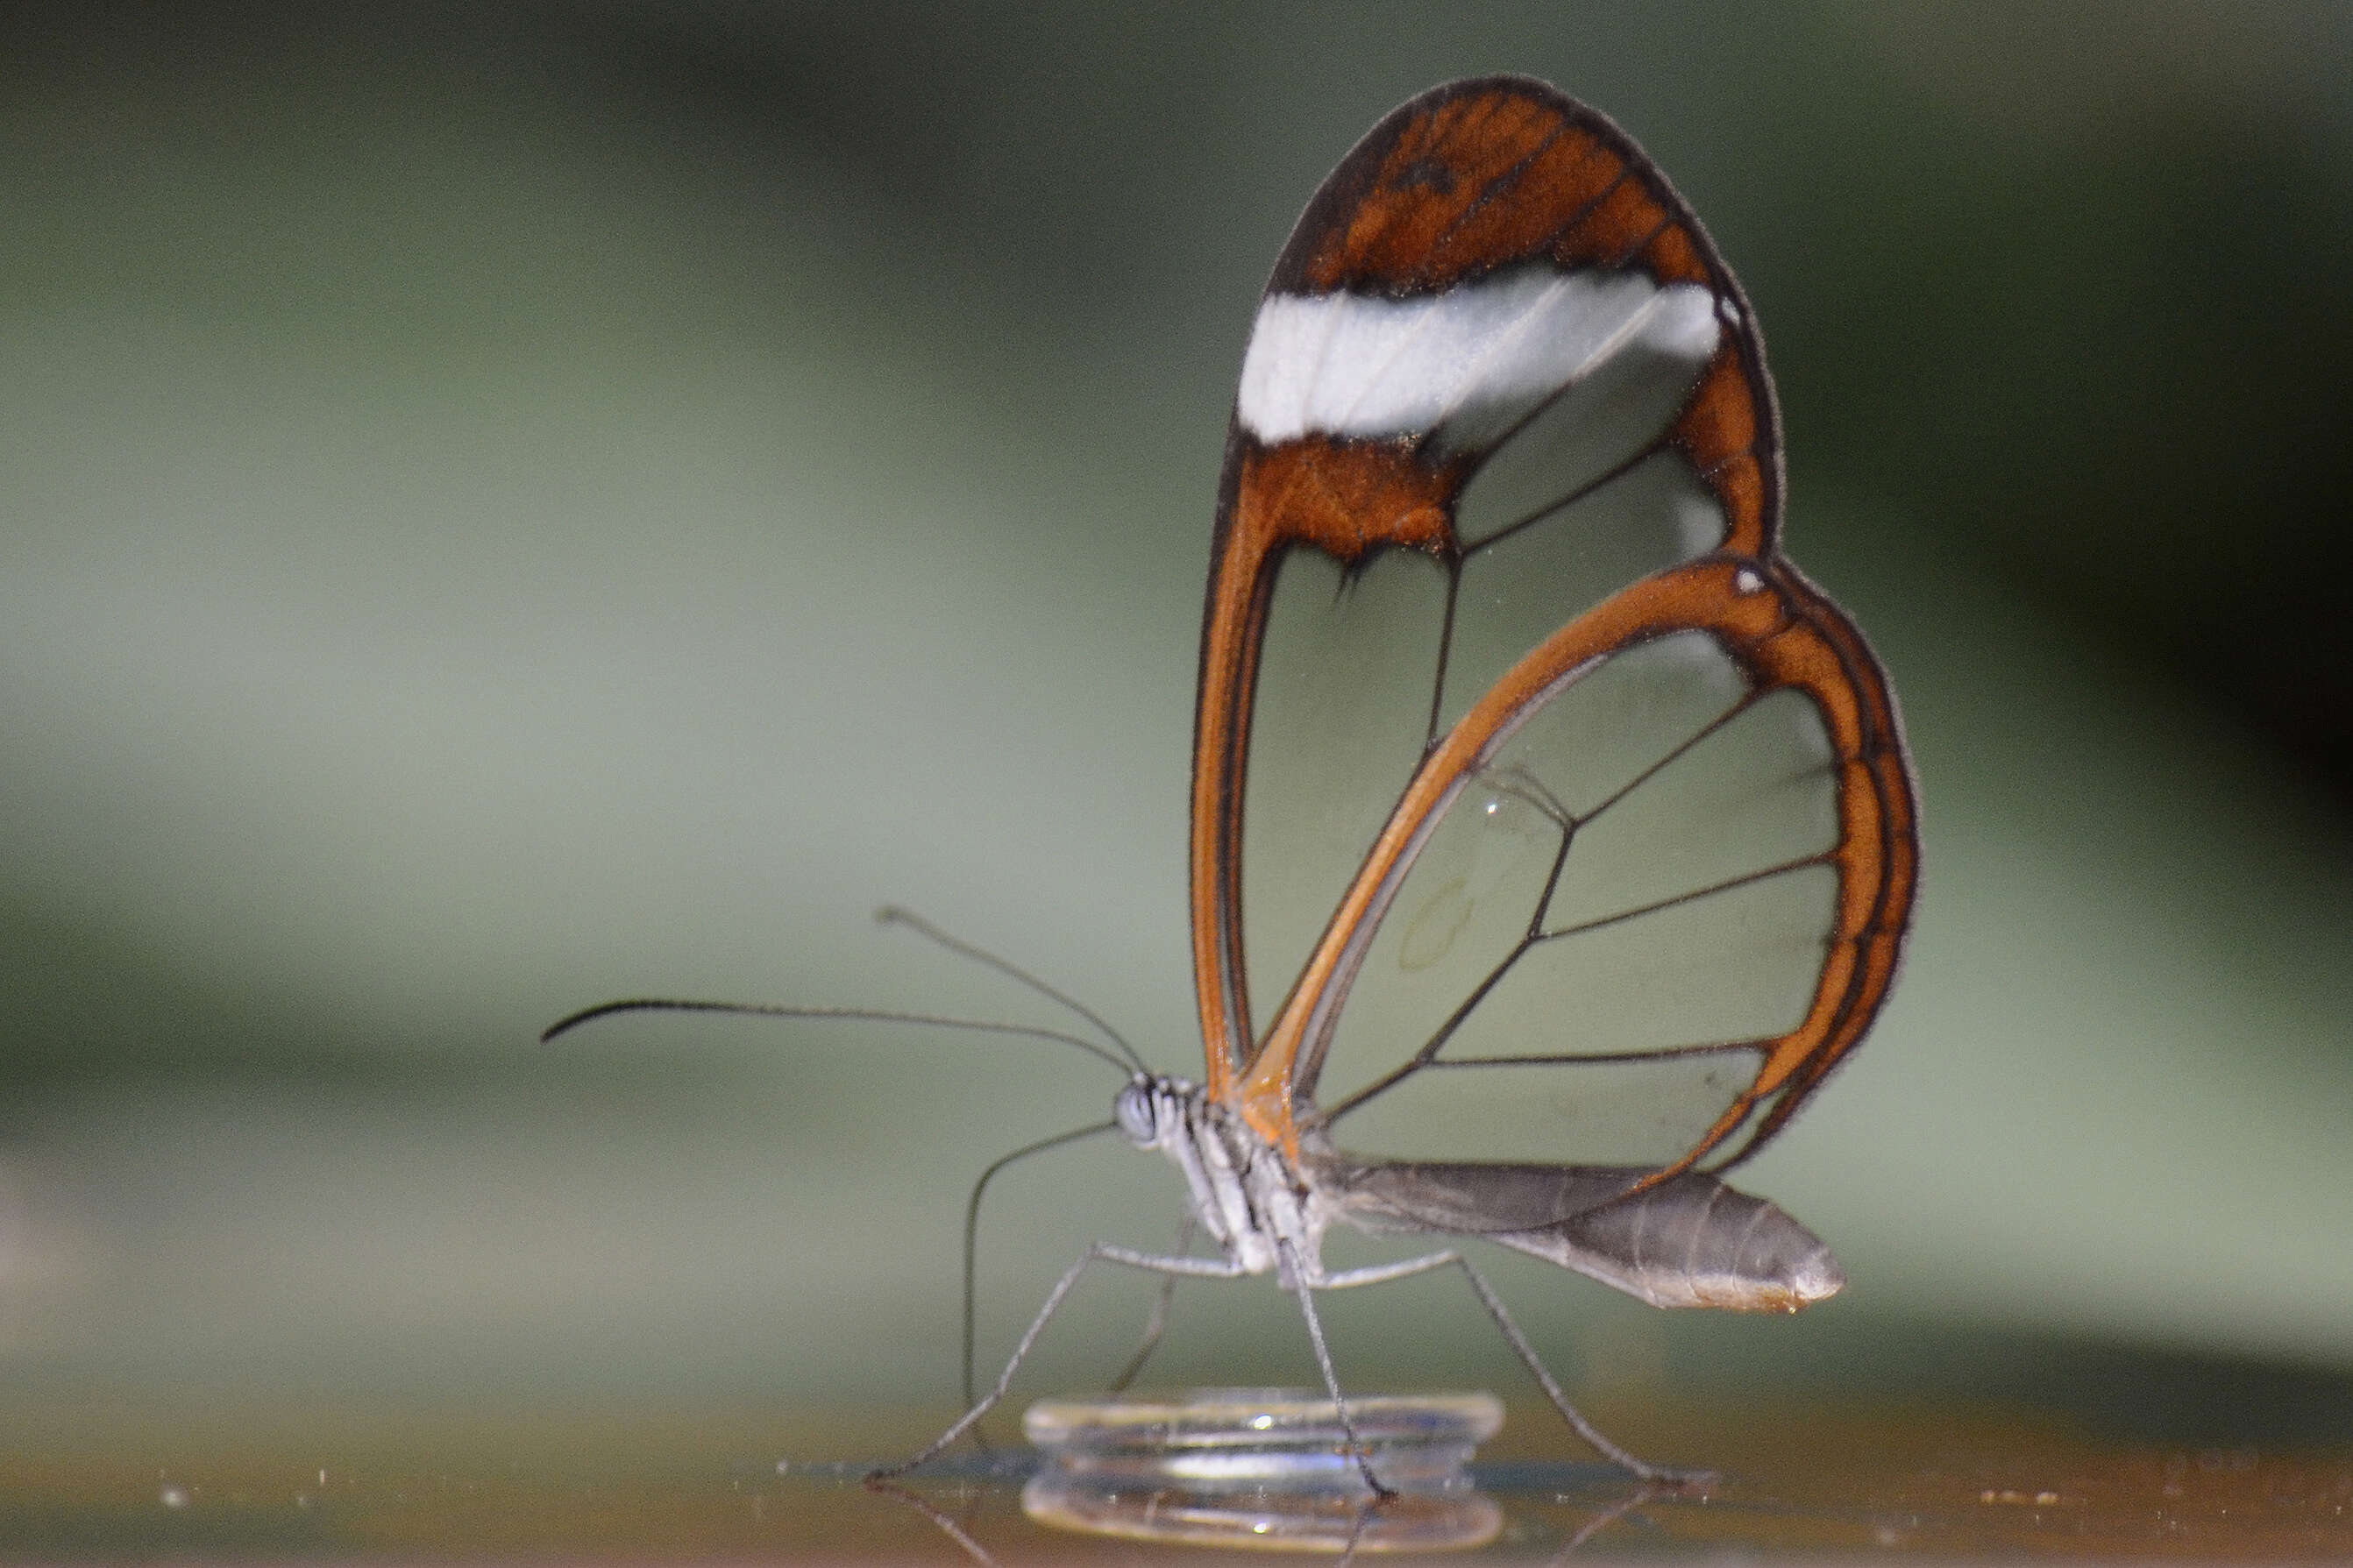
[{"x": 1517, "y": 743}]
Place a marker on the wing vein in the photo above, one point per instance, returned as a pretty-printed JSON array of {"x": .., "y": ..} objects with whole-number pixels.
[
  {"x": 1585, "y": 492},
  {"x": 1730, "y": 884},
  {"x": 1604, "y": 1058},
  {"x": 1681, "y": 749}
]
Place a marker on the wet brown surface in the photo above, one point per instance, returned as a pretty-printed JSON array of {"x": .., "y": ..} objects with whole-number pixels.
[{"x": 1838, "y": 1481}]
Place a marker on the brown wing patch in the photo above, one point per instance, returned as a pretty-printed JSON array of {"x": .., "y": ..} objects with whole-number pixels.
[
  {"x": 1614, "y": 231},
  {"x": 1347, "y": 497},
  {"x": 1479, "y": 176},
  {"x": 1673, "y": 255},
  {"x": 1719, "y": 431},
  {"x": 1447, "y": 178},
  {"x": 1568, "y": 174}
]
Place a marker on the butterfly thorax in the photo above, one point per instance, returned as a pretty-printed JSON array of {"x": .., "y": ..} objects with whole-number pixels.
[{"x": 1245, "y": 1192}]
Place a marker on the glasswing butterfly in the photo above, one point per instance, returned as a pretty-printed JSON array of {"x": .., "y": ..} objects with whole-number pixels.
[{"x": 1542, "y": 811}]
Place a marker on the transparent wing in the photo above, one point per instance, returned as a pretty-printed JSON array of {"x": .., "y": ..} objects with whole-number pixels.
[{"x": 1499, "y": 376}]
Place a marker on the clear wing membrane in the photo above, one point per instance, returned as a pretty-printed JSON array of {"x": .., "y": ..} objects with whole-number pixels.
[
  {"x": 1342, "y": 717},
  {"x": 1606, "y": 929},
  {"x": 1514, "y": 589}
]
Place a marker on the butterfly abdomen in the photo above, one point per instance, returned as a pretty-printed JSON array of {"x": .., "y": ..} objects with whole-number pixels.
[
  {"x": 1693, "y": 1242},
  {"x": 1689, "y": 1242}
]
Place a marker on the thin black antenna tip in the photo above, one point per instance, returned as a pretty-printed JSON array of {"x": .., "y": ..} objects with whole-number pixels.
[
  {"x": 572, "y": 1020},
  {"x": 856, "y": 1014},
  {"x": 893, "y": 914}
]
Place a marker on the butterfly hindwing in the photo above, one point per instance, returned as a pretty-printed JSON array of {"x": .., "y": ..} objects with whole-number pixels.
[{"x": 1654, "y": 880}]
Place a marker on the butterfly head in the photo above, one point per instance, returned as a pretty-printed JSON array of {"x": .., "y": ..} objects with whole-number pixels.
[{"x": 1151, "y": 1109}]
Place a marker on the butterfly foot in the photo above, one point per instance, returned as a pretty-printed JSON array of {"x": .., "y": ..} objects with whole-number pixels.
[
  {"x": 1674, "y": 1478},
  {"x": 1382, "y": 1491}
]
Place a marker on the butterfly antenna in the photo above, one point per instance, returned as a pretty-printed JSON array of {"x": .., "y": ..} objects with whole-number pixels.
[
  {"x": 867, "y": 1015},
  {"x": 891, "y": 914},
  {"x": 972, "y": 1227}
]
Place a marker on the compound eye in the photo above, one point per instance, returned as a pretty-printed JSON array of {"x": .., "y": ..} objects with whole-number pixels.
[{"x": 1134, "y": 1112}]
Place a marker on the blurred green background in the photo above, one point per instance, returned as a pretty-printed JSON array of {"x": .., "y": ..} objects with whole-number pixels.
[{"x": 504, "y": 506}]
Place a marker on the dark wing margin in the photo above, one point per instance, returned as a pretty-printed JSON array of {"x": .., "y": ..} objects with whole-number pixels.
[{"x": 1499, "y": 206}]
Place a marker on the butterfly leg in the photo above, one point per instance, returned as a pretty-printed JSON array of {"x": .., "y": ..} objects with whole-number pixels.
[
  {"x": 1304, "y": 1287},
  {"x": 1157, "y": 1323},
  {"x": 1380, "y": 1274},
  {"x": 1648, "y": 1491},
  {"x": 1194, "y": 1267}
]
